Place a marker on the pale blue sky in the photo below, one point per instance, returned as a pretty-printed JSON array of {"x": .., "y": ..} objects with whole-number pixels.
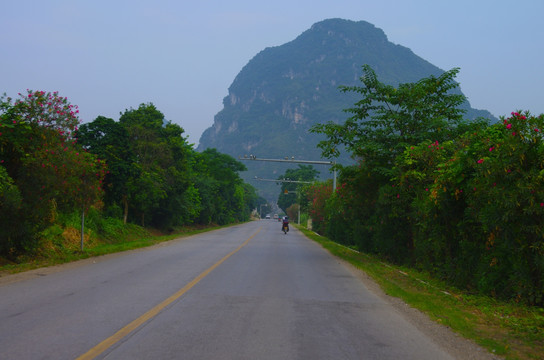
[{"x": 109, "y": 55}]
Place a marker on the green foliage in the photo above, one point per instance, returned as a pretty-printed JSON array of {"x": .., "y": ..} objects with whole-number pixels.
[
  {"x": 143, "y": 166},
  {"x": 388, "y": 118},
  {"x": 288, "y": 194},
  {"x": 464, "y": 201},
  {"x": 224, "y": 196},
  {"x": 469, "y": 210},
  {"x": 49, "y": 172},
  {"x": 110, "y": 142}
]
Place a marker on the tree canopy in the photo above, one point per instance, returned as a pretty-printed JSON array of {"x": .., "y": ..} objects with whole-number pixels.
[
  {"x": 139, "y": 168},
  {"x": 288, "y": 196},
  {"x": 388, "y": 118},
  {"x": 43, "y": 169}
]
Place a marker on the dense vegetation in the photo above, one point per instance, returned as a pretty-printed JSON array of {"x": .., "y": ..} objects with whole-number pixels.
[
  {"x": 139, "y": 169},
  {"x": 291, "y": 187},
  {"x": 463, "y": 200}
]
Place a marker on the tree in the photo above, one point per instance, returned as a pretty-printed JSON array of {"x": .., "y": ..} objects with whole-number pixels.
[
  {"x": 162, "y": 155},
  {"x": 224, "y": 197},
  {"x": 44, "y": 165},
  {"x": 109, "y": 141},
  {"x": 387, "y": 119},
  {"x": 383, "y": 124},
  {"x": 288, "y": 195}
]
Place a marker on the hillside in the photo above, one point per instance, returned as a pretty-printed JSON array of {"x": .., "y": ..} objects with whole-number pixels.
[{"x": 284, "y": 90}]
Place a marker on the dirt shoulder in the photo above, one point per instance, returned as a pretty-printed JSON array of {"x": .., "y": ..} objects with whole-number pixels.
[{"x": 443, "y": 336}]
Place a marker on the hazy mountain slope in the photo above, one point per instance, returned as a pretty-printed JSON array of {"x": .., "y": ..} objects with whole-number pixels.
[{"x": 284, "y": 90}]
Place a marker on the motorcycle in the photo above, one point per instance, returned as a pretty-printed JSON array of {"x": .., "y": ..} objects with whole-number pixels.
[{"x": 285, "y": 228}]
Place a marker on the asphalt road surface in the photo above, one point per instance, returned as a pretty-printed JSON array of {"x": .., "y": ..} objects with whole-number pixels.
[{"x": 244, "y": 292}]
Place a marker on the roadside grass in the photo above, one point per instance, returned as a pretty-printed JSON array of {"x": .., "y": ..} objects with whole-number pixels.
[
  {"x": 61, "y": 243},
  {"x": 508, "y": 329}
]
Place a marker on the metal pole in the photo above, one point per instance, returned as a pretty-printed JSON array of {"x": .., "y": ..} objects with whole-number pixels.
[
  {"x": 334, "y": 181},
  {"x": 82, "y": 226},
  {"x": 282, "y": 181},
  {"x": 292, "y": 160},
  {"x": 254, "y": 158}
]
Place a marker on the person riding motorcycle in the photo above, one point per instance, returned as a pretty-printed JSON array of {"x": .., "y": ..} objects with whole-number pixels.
[{"x": 285, "y": 224}]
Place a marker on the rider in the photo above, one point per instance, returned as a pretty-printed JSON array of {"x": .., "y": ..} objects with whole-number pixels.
[{"x": 285, "y": 223}]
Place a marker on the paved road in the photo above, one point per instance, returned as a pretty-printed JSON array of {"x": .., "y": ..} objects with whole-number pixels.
[{"x": 245, "y": 292}]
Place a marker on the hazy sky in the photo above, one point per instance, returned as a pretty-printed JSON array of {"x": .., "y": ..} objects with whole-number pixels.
[{"x": 110, "y": 55}]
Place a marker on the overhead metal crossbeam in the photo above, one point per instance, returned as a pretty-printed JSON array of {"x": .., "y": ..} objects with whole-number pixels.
[
  {"x": 283, "y": 180},
  {"x": 295, "y": 161}
]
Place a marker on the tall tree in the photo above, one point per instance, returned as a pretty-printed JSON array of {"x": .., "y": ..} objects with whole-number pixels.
[
  {"x": 224, "y": 196},
  {"x": 288, "y": 195},
  {"x": 50, "y": 171},
  {"x": 162, "y": 154},
  {"x": 388, "y": 119},
  {"x": 109, "y": 141}
]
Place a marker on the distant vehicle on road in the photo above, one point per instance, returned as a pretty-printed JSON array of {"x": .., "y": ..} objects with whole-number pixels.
[{"x": 267, "y": 217}]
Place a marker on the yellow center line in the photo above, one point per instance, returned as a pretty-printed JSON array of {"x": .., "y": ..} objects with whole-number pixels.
[{"x": 119, "y": 335}]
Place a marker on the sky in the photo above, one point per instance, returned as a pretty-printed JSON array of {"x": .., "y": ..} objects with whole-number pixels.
[{"x": 107, "y": 56}]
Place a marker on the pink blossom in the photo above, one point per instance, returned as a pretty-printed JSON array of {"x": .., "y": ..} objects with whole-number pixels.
[
  {"x": 480, "y": 161},
  {"x": 537, "y": 130},
  {"x": 509, "y": 126},
  {"x": 491, "y": 148}
]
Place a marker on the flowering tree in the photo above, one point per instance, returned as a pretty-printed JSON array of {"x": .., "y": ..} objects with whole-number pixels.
[
  {"x": 49, "y": 170},
  {"x": 317, "y": 196},
  {"x": 476, "y": 206}
]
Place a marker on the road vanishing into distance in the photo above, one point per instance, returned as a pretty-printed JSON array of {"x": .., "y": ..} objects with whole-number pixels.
[{"x": 243, "y": 292}]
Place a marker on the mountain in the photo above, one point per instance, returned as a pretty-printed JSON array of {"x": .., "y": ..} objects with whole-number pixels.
[{"x": 286, "y": 89}]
